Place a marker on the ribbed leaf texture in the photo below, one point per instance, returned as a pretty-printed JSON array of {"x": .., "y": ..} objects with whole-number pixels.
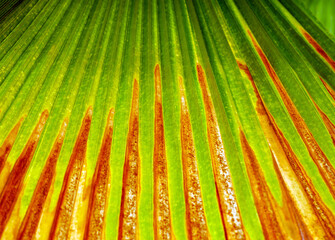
[
  {"x": 323, "y": 10},
  {"x": 165, "y": 119}
]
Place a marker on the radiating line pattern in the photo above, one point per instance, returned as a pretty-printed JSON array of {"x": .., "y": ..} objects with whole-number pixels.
[
  {"x": 162, "y": 217},
  {"x": 169, "y": 119}
]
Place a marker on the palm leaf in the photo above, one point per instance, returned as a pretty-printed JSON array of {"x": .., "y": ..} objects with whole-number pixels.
[
  {"x": 166, "y": 120},
  {"x": 322, "y": 11}
]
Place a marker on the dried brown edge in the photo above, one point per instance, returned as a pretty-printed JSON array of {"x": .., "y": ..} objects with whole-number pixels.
[
  {"x": 95, "y": 225},
  {"x": 230, "y": 212},
  {"x": 32, "y": 217},
  {"x": 329, "y": 89},
  {"x": 195, "y": 215},
  {"x": 128, "y": 219},
  {"x": 264, "y": 202},
  {"x": 325, "y": 168},
  {"x": 162, "y": 217},
  {"x": 13, "y": 187},
  {"x": 67, "y": 197},
  {"x": 7, "y": 145},
  {"x": 324, "y": 215},
  {"x": 318, "y": 48},
  {"x": 329, "y": 125},
  {"x": 295, "y": 227}
]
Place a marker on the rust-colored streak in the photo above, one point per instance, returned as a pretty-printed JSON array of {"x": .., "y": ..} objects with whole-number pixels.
[
  {"x": 324, "y": 215},
  {"x": 329, "y": 125},
  {"x": 325, "y": 168},
  {"x": 15, "y": 180},
  {"x": 245, "y": 69},
  {"x": 8, "y": 144},
  {"x": 128, "y": 220},
  {"x": 263, "y": 199},
  {"x": 65, "y": 206},
  {"x": 34, "y": 212},
  {"x": 95, "y": 226},
  {"x": 318, "y": 48},
  {"x": 295, "y": 227},
  {"x": 230, "y": 212},
  {"x": 287, "y": 162},
  {"x": 162, "y": 218},
  {"x": 195, "y": 214},
  {"x": 329, "y": 89}
]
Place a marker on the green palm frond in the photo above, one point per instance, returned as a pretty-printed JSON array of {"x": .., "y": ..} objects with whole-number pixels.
[
  {"x": 323, "y": 11},
  {"x": 166, "y": 119}
]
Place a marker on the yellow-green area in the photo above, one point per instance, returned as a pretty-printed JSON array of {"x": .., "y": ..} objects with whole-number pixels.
[{"x": 67, "y": 55}]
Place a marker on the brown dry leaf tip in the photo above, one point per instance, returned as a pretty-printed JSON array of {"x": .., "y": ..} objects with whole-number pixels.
[
  {"x": 162, "y": 218},
  {"x": 7, "y": 145},
  {"x": 329, "y": 89},
  {"x": 32, "y": 217},
  {"x": 313, "y": 217},
  {"x": 318, "y": 48},
  {"x": 14, "y": 184},
  {"x": 67, "y": 197},
  {"x": 325, "y": 168},
  {"x": 265, "y": 204},
  {"x": 95, "y": 225},
  {"x": 230, "y": 212},
  {"x": 195, "y": 214},
  {"x": 128, "y": 220},
  {"x": 294, "y": 224}
]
